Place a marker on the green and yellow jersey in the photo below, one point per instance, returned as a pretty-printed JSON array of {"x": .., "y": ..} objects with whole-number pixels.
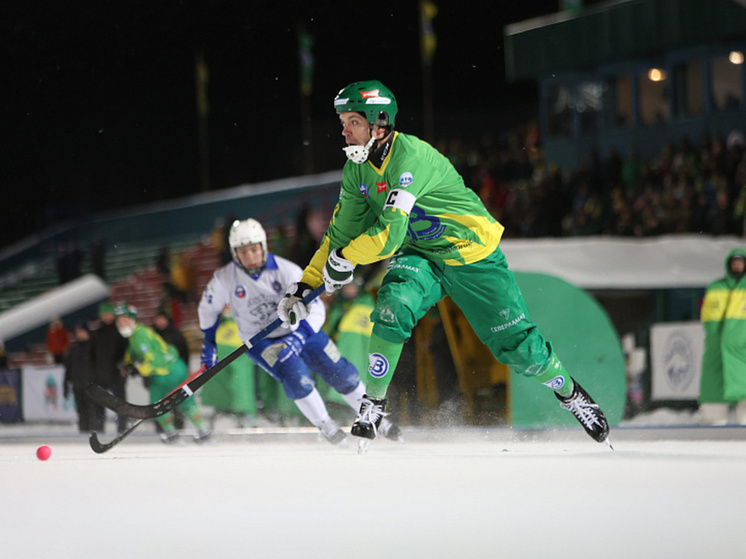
[
  {"x": 150, "y": 353},
  {"x": 410, "y": 197}
]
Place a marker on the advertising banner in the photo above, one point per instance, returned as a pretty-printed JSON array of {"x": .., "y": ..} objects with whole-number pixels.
[
  {"x": 10, "y": 396},
  {"x": 43, "y": 398},
  {"x": 676, "y": 360}
]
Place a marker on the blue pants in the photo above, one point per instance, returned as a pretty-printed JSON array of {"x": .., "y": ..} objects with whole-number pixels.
[{"x": 319, "y": 354}]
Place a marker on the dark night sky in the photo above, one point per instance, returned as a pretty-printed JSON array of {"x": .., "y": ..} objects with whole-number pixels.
[{"x": 98, "y": 98}]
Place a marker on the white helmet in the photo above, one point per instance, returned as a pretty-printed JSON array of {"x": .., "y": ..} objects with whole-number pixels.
[{"x": 248, "y": 232}]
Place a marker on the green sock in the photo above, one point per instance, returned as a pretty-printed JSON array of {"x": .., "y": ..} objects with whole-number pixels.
[
  {"x": 166, "y": 422},
  {"x": 195, "y": 416},
  {"x": 383, "y": 357},
  {"x": 556, "y": 377}
]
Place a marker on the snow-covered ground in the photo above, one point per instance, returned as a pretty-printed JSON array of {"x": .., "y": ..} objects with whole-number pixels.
[{"x": 670, "y": 491}]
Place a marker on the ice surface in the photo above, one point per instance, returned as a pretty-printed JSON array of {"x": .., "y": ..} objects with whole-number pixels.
[{"x": 462, "y": 493}]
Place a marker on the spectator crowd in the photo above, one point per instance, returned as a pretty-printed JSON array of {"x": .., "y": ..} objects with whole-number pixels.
[{"x": 686, "y": 188}]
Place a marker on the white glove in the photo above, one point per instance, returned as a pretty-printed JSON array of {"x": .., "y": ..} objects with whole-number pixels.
[
  {"x": 291, "y": 309},
  {"x": 338, "y": 271}
]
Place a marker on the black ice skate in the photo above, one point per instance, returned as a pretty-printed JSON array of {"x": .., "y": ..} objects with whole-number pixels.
[
  {"x": 332, "y": 432},
  {"x": 587, "y": 412},
  {"x": 368, "y": 422}
]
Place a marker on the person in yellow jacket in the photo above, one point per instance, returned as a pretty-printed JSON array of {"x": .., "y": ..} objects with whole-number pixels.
[{"x": 723, "y": 381}]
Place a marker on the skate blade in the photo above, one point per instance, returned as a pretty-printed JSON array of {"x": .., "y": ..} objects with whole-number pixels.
[
  {"x": 362, "y": 446},
  {"x": 608, "y": 443}
]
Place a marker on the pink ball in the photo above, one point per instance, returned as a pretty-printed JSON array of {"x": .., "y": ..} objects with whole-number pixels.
[{"x": 43, "y": 452}]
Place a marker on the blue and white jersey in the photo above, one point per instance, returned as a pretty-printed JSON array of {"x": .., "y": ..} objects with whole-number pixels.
[{"x": 253, "y": 299}]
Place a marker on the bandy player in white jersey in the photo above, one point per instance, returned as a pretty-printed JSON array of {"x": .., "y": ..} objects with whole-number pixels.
[{"x": 252, "y": 284}]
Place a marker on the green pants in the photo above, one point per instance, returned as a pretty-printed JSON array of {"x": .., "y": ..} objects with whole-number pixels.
[
  {"x": 162, "y": 385},
  {"x": 487, "y": 294}
]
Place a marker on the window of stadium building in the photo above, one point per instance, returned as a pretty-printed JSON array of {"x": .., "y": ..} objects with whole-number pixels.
[
  {"x": 653, "y": 102},
  {"x": 589, "y": 104},
  {"x": 726, "y": 82},
  {"x": 617, "y": 94},
  {"x": 689, "y": 91},
  {"x": 559, "y": 110}
]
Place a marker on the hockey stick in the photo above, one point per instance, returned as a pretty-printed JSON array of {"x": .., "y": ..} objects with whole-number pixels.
[
  {"x": 102, "y": 397},
  {"x": 100, "y": 448},
  {"x": 181, "y": 393}
]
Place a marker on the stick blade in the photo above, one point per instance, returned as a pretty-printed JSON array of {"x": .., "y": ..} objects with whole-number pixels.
[
  {"x": 99, "y": 447},
  {"x": 96, "y": 445}
]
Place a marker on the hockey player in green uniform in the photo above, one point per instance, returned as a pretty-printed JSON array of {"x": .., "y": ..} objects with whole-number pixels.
[
  {"x": 401, "y": 199},
  {"x": 161, "y": 365},
  {"x": 723, "y": 318}
]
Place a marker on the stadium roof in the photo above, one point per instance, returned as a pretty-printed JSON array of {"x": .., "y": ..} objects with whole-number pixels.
[{"x": 617, "y": 30}]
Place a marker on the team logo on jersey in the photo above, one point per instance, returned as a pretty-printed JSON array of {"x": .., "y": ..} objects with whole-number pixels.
[
  {"x": 277, "y": 286},
  {"x": 556, "y": 383},
  {"x": 378, "y": 365},
  {"x": 363, "y": 189},
  {"x": 405, "y": 179},
  {"x": 382, "y": 187},
  {"x": 504, "y": 314},
  {"x": 424, "y": 227},
  {"x": 240, "y": 291}
]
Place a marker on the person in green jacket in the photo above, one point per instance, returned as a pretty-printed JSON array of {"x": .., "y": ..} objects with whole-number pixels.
[
  {"x": 401, "y": 199},
  {"x": 160, "y": 363},
  {"x": 723, "y": 315}
]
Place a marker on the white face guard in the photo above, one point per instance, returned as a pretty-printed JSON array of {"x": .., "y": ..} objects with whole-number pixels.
[
  {"x": 359, "y": 154},
  {"x": 126, "y": 330}
]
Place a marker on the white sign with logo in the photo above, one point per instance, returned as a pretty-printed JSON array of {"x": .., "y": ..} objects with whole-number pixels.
[
  {"x": 676, "y": 360},
  {"x": 43, "y": 395}
]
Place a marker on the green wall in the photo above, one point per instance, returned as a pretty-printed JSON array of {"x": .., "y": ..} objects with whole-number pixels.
[{"x": 586, "y": 342}]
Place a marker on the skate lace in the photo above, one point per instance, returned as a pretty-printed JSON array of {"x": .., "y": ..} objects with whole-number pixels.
[
  {"x": 583, "y": 410},
  {"x": 371, "y": 413}
]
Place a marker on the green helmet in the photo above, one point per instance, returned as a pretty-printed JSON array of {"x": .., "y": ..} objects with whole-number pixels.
[
  {"x": 123, "y": 309},
  {"x": 371, "y": 98}
]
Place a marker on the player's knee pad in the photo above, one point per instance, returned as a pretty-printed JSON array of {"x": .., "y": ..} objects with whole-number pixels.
[
  {"x": 394, "y": 315},
  {"x": 322, "y": 356},
  {"x": 342, "y": 377},
  {"x": 297, "y": 386}
]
